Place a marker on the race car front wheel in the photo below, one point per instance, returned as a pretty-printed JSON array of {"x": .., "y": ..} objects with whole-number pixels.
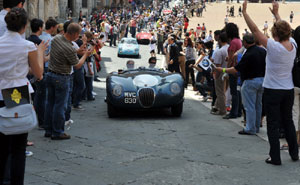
[
  {"x": 111, "y": 110},
  {"x": 177, "y": 109}
]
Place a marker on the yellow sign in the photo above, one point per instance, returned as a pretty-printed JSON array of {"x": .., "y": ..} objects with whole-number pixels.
[{"x": 16, "y": 96}]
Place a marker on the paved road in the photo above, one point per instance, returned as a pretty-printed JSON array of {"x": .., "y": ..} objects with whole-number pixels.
[{"x": 153, "y": 148}]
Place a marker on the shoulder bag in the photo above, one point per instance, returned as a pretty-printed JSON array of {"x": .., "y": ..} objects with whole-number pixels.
[{"x": 17, "y": 120}]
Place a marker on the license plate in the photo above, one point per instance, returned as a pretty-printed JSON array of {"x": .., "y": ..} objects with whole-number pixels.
[{"x": 129, "y": 97}]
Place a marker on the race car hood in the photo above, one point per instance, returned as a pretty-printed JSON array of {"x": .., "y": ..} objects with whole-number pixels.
[
  {"x": 143, "y": 36},
  {"x": 128, "y": 46},
  {"x": 136, "y": 79}
]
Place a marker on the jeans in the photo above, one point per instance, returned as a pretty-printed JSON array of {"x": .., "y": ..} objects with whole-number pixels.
[
  {"x": 278, "y": 106},
  {"x": 113, "y": 40},
  {"x": 252, "y": 92},
  {"x": 69, "y": 105},
  {"x": 79, "y": 86},
  {"x": 235, "y": 105},
  {"x": 57, "y": 100},
  {"x": 87, "y": 93},
  {"x": 189, "y": 71},
  {"x": 40, "y": 101}
]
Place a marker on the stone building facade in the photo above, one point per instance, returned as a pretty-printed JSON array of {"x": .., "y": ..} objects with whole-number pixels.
[
  {"x": 60, "y": 9},
  {"x": 86, "y": 6}
]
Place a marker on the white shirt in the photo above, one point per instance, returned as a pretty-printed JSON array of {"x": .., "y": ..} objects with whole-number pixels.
[
  {"x": 3, "y": 27},
  {"x": 266, "y": 25},
  {"x": 279, "y": 64},
  {"x": 107, "y": 28},
  {"x": 76, "y": 47},
  {"x": 152, "y": 46},
  {"x": 14, "y": 65},
  {"x": 215, "y": 50},
  {"x": 220, "y": 56},
  {"x": 46, "y": 37}
]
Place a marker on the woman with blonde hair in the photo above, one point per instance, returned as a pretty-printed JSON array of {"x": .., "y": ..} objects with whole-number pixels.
[{"x": 278, "y": 84}]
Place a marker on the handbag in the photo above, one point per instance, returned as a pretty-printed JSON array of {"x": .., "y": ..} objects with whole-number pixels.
[{"x": 17, "y": 120}]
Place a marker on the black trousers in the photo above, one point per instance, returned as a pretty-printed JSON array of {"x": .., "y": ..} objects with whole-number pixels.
[
  {"x": 236, "y": 109},
  {"x": 160, "y": 48},
  {"x": 174, "y": 68},
  {"x": 203, "y": 88},
  {"x": 189, "y": 71},
  {"x": 15, "y": 147},
  {"x": 278, "y": 107}
]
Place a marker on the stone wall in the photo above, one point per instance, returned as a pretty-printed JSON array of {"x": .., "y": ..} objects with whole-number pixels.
[{"x": 43, "y": 9}]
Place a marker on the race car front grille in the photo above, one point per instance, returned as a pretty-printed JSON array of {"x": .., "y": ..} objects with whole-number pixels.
[{"x": 146, "y": 96}]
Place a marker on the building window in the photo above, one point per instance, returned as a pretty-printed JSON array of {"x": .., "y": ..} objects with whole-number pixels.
[{"x": 84, "y": 4}]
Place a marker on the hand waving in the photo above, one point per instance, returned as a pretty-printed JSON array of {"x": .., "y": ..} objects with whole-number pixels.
[
  {"x": 43, "y": 46},
  {"x": 275, "y": 8}
]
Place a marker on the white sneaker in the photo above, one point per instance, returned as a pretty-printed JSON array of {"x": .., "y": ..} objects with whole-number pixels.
[
  {"x": 94, "y": 94},
  {"x": 28, "y": 153},
  {"x": 205, "y": 99},
  {"x": 69, "y": 122}
]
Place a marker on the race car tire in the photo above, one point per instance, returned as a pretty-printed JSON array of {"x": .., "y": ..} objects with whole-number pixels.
[
  {"x": 111, "y": 111},
  {"x": 177, "y": 109}
]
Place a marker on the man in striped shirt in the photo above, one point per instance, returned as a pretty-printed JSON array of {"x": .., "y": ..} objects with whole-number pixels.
[{"x": 62, "y": 58}]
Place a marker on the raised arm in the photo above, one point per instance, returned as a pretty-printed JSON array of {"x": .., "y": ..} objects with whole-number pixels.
[
  {"x": 275, "y": 11},
  {"x": 252, "y": 26}
]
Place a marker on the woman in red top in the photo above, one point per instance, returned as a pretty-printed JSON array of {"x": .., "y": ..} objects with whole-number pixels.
[
  {"x": 186, "y": 24},
  {"x": 235, "y": 44}
]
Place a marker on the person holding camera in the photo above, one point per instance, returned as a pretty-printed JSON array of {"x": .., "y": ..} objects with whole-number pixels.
[
  {"x": 88, "y": 68},
  {"x": 62, "y": 58}
]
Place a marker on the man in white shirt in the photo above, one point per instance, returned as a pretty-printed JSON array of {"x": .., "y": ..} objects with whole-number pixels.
[
  {"x": 8, "y": 5},
  {"x": 220, "y": 61}
]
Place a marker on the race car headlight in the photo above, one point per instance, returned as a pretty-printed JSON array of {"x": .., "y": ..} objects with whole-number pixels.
[
  {"x": 175, "y": 88},
  {"x": 117, "y": 90}
]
